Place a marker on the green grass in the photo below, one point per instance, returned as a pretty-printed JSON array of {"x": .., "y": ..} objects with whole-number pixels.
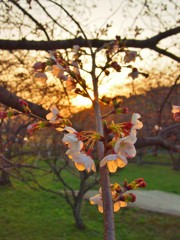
[
  {"x": 37, "y": 215},
  {"x": 158, "y": 177}
]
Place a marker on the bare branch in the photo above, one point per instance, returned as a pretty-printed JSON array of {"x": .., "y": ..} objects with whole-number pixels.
[
  {"x": 96, "y": 43},
  {"x": 44, "y": 9},
  {"x": 156, "y": 141},
  {"x": 166, "y": 98},
  {"x": 163, "y": 35},
  {"x": 31, "y": 17}
]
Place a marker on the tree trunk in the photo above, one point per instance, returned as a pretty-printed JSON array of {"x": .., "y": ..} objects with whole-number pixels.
[
  {"x": 4, "y": 179},
  {"x": 108, "y": 211},
  {"x": 176, "y": 164},
  {"x": 77, "y": 214},
  {"x": 4, "y": 175}
]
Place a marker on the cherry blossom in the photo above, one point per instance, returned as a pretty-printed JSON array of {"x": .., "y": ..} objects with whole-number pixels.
[
  {"x": 130, "y": 56},
  {"x": 84, "y": 162},
  {"x": 54, "y": 116},
  {"x": 57, "y": 70},
  {"x": 125, "y": 146},
  {"x": 136, "y": 123},
  {"x": 72, "y": 141},
  {"x": 114, "y": 161},
  {"x": 97, "y": 200}
]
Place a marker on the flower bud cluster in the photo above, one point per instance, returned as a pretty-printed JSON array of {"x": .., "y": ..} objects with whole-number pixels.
[
  {"x": 120, "y": 197},
  {"x": 137, "y": 183}
]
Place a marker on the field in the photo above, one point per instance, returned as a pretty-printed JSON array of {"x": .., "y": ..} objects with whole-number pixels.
[{"x": 37, "y": 215}]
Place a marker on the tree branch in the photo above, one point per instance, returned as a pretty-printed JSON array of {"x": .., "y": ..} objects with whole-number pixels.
[
  {"x": 31, "y": 17},
  {"x": 96, "y": 43},
  {"x": 165, "y": 34},
  {"x": 156, "y": 141},
  {"x": 165, "y": 53},
  {"x": 11, "y": 100}
]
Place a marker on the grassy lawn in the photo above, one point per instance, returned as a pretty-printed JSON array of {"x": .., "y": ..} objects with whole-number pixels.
[
  {"x": 36, "y": 215},
  {"x": 158, "y": 177}
]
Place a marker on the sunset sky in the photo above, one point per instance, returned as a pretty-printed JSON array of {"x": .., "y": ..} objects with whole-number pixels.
[{"x": 123, "y": 16}]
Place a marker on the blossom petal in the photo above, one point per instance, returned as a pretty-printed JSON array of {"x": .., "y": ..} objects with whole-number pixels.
[
  {"x": 54, "y": 110},
  {"x": 80, "y": 167},
  {"x": 69, "y": 138},
  {"x": 134, "y": 120},
  {"x": 70, "y": 129},
  {"x": 121, "y": 161},
  {"x": 129, "y": 151},
  {"x": 95, "y": 199},
  {"x": 117, "y": 206},
  {"x": 100, "y": 208},
  {"x": 123, "y": 204},
  {"x": 49, "y": 116},
  {"x": 112, "y": 166},
  {"x": 84, "y": 160},
  {"x": 107, "y": 158}
]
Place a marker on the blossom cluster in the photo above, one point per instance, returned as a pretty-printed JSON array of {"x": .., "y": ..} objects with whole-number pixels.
[
  {"x": 119, "y": 194},
  {"x": 121, "y": 147},
  {"x": 65, "y": 70},
  {"x": 118, "y": 149},
  {"x": 122, "y": 144},
  {"x": 68, "y": 70}
]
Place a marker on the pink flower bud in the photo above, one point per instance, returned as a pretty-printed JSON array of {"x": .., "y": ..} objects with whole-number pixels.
[
  {"x": 137, "y": 183},
  {"x": 134, "y": 74},
  {"x": 139, "y": 180},
  {"x": 116, "y": 66},
  {"x": 107, "y": 72},
  {"x": 23, "y": 103},
  {"x": 32, "y": 128},
  {"x": 3, "y": 115}
]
